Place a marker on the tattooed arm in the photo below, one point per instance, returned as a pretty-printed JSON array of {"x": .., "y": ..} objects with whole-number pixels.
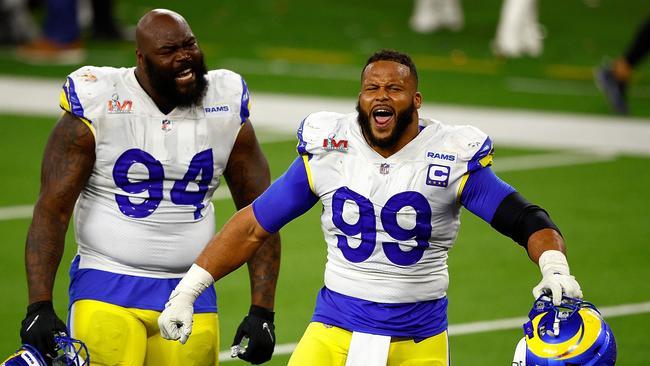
[
  {"x": 67, "y": 163},
  {"x": 247, "y": 174}
]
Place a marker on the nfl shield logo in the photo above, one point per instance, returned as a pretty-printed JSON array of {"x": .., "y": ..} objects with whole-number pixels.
[
  {"x": 167, "y": 125},
  {"x": 383, "y": 168}
]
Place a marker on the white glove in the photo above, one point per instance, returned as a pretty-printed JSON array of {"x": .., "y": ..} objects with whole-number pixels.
[
  {"x": 556, "y": 278},
  {"x": 175, "y": 322}
]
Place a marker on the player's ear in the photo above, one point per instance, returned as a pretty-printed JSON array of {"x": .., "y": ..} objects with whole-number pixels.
[
  {"x": 139, "y": 57},
  {"x": 417, "y": 100}
]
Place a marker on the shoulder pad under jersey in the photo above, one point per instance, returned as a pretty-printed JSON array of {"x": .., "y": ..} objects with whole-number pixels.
[{"x": 319, "y": 129}]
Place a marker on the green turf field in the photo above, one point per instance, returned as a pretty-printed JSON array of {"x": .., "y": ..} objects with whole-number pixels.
[
  {"x": 315, "y": 47},
  {"x": 600, "y": 207}
]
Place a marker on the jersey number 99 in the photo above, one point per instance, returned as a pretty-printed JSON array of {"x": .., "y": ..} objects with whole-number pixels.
[{"x": 366, "y": 226}]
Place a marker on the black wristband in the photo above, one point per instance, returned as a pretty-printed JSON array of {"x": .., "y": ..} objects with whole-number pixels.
[
  {"x": 261, "y": 312},
  {"x": 40, "y": 305}
]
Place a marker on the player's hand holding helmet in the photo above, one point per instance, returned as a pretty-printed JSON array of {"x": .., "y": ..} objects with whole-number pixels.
[
  {"x": 571, "y": 334},
  {"x": 258, "y": 328},
  {"x": 40, "y": 326},
  {"x": 69, "y": 352},
  {"x": 556, "y": 278}
]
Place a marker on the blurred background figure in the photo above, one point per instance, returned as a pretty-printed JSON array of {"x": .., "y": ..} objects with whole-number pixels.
[
  {"x": 16, "y": 23},
  {"x": 431, "y": 15},
  {"x": 98, "y": 17},
  {"x": 613, "y": 79},
  {"x": 518, "y": 32},
  {"x": 61, "y": 41}
]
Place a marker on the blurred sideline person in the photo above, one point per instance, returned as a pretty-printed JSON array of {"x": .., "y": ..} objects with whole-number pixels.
[
  {"x": 392, "y": 186},
  {"x": 614, "y": 79},
  {"x": 60, "y": 41},
  {"x": 518, "y": 31},
  {"x": 16, "y": 23},
  {"x": 431, "y": 15},
  {"x": 138, "y": 154}
]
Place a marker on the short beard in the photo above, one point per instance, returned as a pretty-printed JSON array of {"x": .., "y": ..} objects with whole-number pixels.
[
  {"x": 403, "y": 120},
  {"x": 164, "y": 83}
]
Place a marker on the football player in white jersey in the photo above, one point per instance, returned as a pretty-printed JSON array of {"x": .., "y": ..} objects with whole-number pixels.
[
  {"x": 392, "y": 186},
  {"x": 137, "y": 155}
]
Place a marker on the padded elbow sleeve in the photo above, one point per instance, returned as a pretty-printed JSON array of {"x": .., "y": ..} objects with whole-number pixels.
[{"x": 519, "y": 219}]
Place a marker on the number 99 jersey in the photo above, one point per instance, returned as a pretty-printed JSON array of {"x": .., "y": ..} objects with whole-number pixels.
[
  {"x": 389, "y": 222},
  {"x": 146, "y": 209}
]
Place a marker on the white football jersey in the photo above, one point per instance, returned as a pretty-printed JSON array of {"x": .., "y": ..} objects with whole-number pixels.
[
  {"x": 146, "y": 209},
  {"x": 370, "y": 203}
]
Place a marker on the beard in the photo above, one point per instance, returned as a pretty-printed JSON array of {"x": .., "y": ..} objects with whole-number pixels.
[
  {"x": 402, "y": 121},
  {"x": 164, "y": 82}
]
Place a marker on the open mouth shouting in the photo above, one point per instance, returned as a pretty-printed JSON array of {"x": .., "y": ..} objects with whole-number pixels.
[
  {"x": 185, "y": 76},
  {"x": 383, "y": 116}
]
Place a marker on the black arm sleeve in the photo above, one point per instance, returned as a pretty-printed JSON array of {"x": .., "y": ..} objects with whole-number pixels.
[{"x": 519, "y": 219}]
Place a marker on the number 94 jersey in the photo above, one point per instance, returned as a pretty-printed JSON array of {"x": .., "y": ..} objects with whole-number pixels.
[
  {"x": 389, "y": 222},
  {"x": 146, "y": 209}
]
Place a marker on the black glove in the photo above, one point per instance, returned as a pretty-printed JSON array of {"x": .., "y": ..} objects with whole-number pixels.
[
  {"x": 39, "y": 328},
  {"x": 258, "y": 327}
]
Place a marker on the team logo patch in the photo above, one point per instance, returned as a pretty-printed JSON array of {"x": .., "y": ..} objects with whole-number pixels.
[
  {"x": 438, "y": 175},
  {"x": 217, "y": 109},
  {"x": 330, "y": 144},
  {"x": 441, "y": 156},
  {"x": 167, "y": 125},
  {"x": 115, "y": 106}
]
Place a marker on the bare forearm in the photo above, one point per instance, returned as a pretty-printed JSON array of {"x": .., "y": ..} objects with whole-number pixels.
[
  {"x": 43, "y": 252},
  {"x": 263, "y": 270},
  {"x": 543, "y": 240},
  {"x": 67, "y": 163},
  {"x": 234, "y": 245}
]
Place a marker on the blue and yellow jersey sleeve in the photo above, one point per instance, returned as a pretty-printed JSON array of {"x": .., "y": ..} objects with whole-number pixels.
[
  {"x": 475, "y": 150},
  {"x": 287, "y": 198},
  {"x": 82, "y": 94},
  {"x": 483, "y": 156},
  {"x": 313, "y": 132},
  {"x": 228, "y": 91},
  {"x": 480, "y": 190},
  {"x": 317, "y": 127},
  {"x": 245, "y": 106},
  {"x": 483, "y": 193}
]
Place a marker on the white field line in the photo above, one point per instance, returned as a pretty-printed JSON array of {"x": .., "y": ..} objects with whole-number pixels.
[
  {"x": 283, "y": 113},
  {"x": 487, "y": 326},
  {"x": 527, "y": 162}
]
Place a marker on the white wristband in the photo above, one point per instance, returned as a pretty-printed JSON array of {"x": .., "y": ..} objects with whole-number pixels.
[
  {"x": 195, "y": 281},
  {"x": 553, "y": 262}
]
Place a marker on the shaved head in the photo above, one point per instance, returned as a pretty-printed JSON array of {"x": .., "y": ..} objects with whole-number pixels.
[
  {"x": 157, "y": 25},
  {"x": 170, "y": 66}
]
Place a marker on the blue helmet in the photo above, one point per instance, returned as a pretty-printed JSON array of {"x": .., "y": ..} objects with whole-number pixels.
[
  {"x": 72, "y": 352},
  {"x": 573, "y": 333}
]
